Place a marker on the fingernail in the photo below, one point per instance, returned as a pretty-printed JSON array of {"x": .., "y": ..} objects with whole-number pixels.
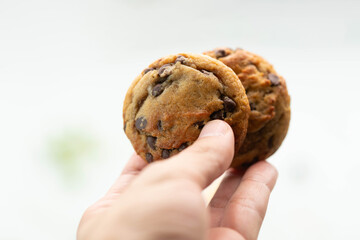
[{"x": 214, "y": 128}]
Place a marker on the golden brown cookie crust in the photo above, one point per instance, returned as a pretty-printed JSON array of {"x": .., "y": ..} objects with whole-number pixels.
[
  {"x": 167, "y": 105},
  {"x": 269, "y": 102}
]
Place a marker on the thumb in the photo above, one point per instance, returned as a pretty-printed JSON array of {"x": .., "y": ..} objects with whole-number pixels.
[{"x": 207, "y": 158}]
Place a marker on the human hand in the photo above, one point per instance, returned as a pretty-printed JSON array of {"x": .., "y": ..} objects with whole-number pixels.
[{"x": 163, "y": 200}]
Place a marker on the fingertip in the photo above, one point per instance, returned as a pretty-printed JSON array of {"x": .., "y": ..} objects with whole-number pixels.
[
  {"x": 265, "y": 170},
  {"x": 216, "y": 139},
  {"x": 135, "y": 164},
  {"x": 268, "y": 167},
  {"x": 216, "y": 128}
]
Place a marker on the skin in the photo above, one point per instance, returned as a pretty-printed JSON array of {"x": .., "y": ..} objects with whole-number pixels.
[{"x": 163, "y": 200}]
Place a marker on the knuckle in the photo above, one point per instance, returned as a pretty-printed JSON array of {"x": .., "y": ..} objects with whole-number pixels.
[
  {"x": 256, "y": 180},
  {"x": 249, "y": 205}
]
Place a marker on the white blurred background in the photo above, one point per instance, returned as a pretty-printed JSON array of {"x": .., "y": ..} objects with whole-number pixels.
[{"x": 65, "y": 67}]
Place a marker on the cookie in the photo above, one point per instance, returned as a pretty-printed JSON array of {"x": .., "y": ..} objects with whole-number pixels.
[
  {"x": 167, "y": 105},
  {"x": 269, "y": 102}
]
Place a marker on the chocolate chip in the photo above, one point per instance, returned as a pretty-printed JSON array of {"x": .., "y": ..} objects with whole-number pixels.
[
  {"x": 141, "y": 102},
  {"x": 125, "y": 126},
  {"x": 199, "y": 125},
  {"x": 146, "y": 70},
  {"x": 205, "y": 72},
  {"x": 271, "y": 141},
  {"x": 140, "y": 123},
  {"x": 180, "y": 59},
  {"x": 149, "y": 157},
  {"x": 274, "y": 79},
  {"x": 165, "y": 70},
  {"x": 165, "y": 153},
  {"x": 157, "y": 90},
  {"x": 220, "y": 53},
  {"x": 183, "y": 146},
  {"x": 217, "y": 115},
  {"x": 161, "y": 79},
  {"x": 229, "y": 104},
  {"x": 252, "y": 106},
  {"x": 151, "y": 142},
  {"x": 159, "y": 125}
]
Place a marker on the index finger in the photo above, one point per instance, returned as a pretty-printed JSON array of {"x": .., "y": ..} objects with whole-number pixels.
[
  {"x": 133, "y": 167},
  {"x": 246, "y": 209}
]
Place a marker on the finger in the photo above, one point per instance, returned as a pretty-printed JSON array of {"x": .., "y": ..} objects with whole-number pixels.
[
  {"x": 247, "y": 207},
  {"x": 130, "y": 171},
  {"x": 204, "y": 161},
  {"x": 221, "y": 233},
  {"x": 223, "y": 194},
  {"x": 135, "y": 164}
]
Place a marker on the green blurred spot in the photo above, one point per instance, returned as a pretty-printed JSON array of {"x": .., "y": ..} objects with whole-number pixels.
[{"x": 70, "y": 150}]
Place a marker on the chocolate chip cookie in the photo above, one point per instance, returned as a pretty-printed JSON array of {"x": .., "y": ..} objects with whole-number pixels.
[
  {"x": 167, "y": 105},
  {"x": 269, "y": 102}
]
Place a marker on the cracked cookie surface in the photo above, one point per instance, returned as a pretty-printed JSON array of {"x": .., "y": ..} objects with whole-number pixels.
[
  {"x": 167, "y": 105},
  {"x": 269, "y": 102}
]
